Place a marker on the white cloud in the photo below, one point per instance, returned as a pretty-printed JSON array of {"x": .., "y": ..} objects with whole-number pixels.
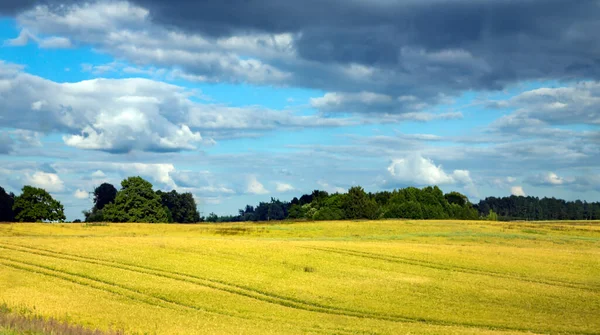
[
  {"x": 554, "y": 179},
  {"x": 255, "y": 187},
  {"x": 159, "y": 173},
  {"x": 517, "y": 190},
  {"x": 81, "y": 194},
  {"x": 535, "y": 111},
  {"x": 331, "y": 188},
  {"x": 123, "y": 115},
  {"x": 421, "y": 171},
  {"x": 51, "y": 182},
  {"x": 414, "y": 169},
  {"x": 21, "y": 40},
  {"x": 98, "y": 174},
  {"x": 283, "y": 187},
  {"x": 55, "y": 43}
]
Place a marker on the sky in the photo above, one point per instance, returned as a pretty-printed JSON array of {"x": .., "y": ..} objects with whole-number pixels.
[{"x": 241, "y": 101}]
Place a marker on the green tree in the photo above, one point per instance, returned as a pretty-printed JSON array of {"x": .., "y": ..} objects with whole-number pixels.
[
  {"x": 296, "y": 212},
  {"x": 136, "y": 202},
  {"x": 357, "y": 205},
  {"x": 492, "y": 216},
  {"x": 328, "y": 213},
  {"x": 94, "y": 215},
  {"x": 212, "y": 217},
  {"x": 7, "y": 201},
  {"x": 182, "y": 207},
  {"x": 456, "y": 198},
  {"x": 104, "y": 195},
  {"x": 35, "y": 204}
]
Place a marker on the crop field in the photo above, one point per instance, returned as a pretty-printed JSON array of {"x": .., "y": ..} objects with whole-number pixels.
[{"x": 345, "y": 277}]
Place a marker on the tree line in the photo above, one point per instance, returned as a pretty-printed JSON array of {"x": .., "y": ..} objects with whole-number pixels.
[
  {"x": 136, "y": 201},
  {"x": 408, "y": 203},
  {"x": 533, "y": 208}
]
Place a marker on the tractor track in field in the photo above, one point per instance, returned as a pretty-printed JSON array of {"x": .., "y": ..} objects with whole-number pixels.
[
  {"x": 129, "y": 293},
  {"x": 233, "y": 289},
  {"x": 438, "y": 266},
  {"x": 251, "y": 293},
  {"x": 102, "y": 285}
]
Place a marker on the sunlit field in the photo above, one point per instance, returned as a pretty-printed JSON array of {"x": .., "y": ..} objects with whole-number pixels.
[{"x": 364, "y": 277}]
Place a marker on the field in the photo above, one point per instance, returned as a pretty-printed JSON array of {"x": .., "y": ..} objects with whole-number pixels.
[{"x": 370, "y": 277}]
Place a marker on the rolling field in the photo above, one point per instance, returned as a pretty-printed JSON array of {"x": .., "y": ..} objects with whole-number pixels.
[{"x": 370, "y": 277}]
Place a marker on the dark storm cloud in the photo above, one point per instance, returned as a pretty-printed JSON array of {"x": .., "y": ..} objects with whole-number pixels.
[
  {"x": 396, "y": 48},
  {"x": 517, "y": 39}
]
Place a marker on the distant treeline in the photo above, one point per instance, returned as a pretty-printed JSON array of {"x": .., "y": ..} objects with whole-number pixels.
[
  {"x": 413, "y": 203},
  {"x": 407, "y": 203},
  {"x": 532, "y": 208},
  {"x": 136, "y": 201}
]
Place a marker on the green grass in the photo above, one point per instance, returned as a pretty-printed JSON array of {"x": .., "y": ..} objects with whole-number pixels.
[{"x": 363, "y": 277}]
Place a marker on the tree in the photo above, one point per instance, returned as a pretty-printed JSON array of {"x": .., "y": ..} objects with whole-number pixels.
[
  {"x": 212, "y": 217},
  {"x": 182, "y": 207},
  {"x": 104, "y": 195},
  {"x": 35, "y": 204},
  {"x": 357, "y": 205},
  {"x": 94, "y": 215},
  {"x": 456, "y": 198},
  {"x": 7, "y": 201},
  {"x": 492, "y": 216},
  {"x": 296, "y": 212},
  {"x": 136, "y": 202}
]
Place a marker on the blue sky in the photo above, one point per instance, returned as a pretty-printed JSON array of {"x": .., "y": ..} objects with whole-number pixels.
[{"x": 237, "y": 110}]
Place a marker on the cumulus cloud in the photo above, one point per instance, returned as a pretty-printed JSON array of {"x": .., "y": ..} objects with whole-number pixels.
[
  {"x": 420, "y": 171},
  {"x": 51, "y": 182},
  {"x": 283, "y": 187},
  {"x": 98, "y": 174},
  {"x": 551, "y": 178},
  {"x": 517, "y": 190},
  {"x": 159, "y": 173},
  {"x": 255, "y": 187},
  {"x": 122, "y": 115},
  {"x": 80, "y": 194},
  {"x": 565, "y": 115}
]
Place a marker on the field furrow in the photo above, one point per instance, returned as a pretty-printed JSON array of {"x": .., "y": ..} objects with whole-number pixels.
[
  {"x": 445, "y": 267},
  {"x": 238, "y": 290},
  {"x": 198, "y": 281},
  {"x": 381, "y": 277}
]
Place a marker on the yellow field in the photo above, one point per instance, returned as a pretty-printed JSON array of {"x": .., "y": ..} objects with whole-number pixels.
[{"x": 371, "y": 277}]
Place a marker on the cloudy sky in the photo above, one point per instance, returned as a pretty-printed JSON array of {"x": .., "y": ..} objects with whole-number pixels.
[{"x": 239, "y": 101}]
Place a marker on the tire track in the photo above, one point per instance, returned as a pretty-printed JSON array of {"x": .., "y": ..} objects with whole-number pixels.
[
  {"x": 99, "y": 283},
  {"x": 437, "y": 266},
  {"x": 233, "y": 289},
  {"x": 130, "y": 294},
  {"x": 289, "y": 303}
]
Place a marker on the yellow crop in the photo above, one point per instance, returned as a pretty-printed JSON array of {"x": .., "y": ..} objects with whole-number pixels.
[{"x": 343, "y": 277}]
